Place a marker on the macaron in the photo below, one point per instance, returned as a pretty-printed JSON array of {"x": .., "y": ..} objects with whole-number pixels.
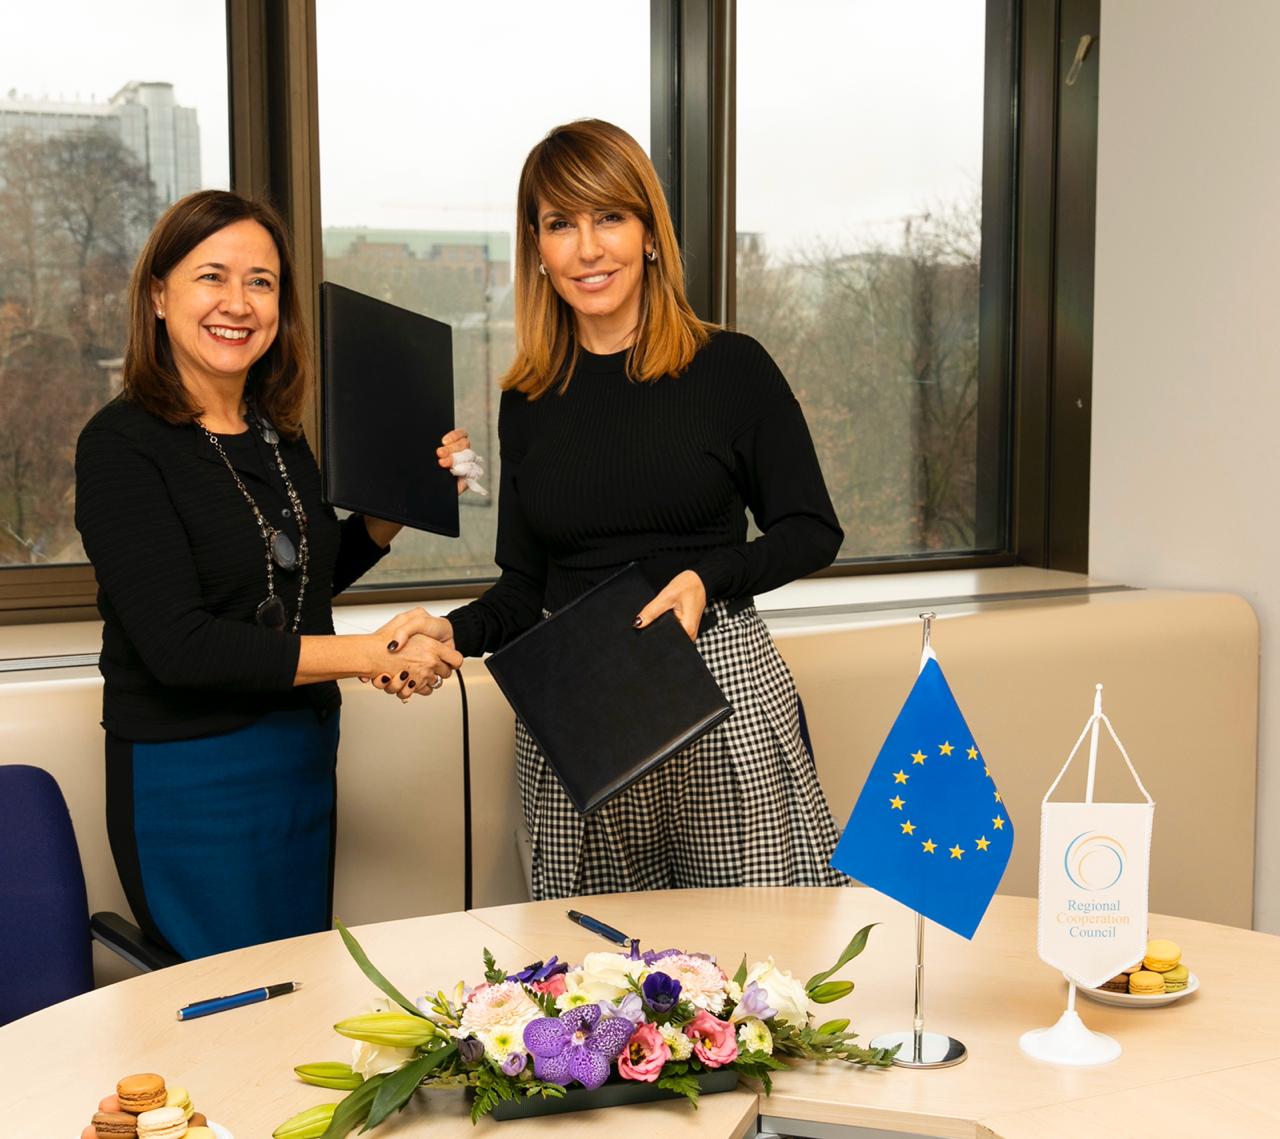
[
  {"x": 178, "y": 1097},
  {"x": 162, "y": 1123},
  {"x": 1144, "y": 983},
  {"x": 1161, "y": 956},
  {"x": 89, "y": 1132},
  {"x": 141, "y": 1092},
  {"x": 197, "y": 1120},
  {"x": 1175, "y": 980},
  {"x": 1118, "y": 984},
  {"x": 110, "y": 1103},
  {"x": 200, "y": 1133},
  {"x": 114, "y": 1125}
]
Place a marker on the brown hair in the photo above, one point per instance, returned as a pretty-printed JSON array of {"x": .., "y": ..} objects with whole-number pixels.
[
  {"x": 278, "y": 382},
  {"x": 590, "y": 165}
]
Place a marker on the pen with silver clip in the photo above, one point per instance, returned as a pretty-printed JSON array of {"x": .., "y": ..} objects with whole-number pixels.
[
  {"x": 595, "y": 925},
  {"x": 235, "y": 1000}
]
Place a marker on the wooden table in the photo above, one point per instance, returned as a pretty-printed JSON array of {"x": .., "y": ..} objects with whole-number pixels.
[{"x": 1206, "y": 1065}]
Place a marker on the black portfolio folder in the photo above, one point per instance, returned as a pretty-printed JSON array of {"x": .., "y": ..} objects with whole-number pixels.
[
  {"x": 386, "y": 400},
  {"x": 607, "y": 702}
]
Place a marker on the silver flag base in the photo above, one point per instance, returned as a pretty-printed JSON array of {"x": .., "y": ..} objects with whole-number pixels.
[{"x": 935, "y": 1050}]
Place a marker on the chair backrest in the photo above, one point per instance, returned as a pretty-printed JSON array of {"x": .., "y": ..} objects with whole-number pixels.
[{"x": 45, "y": 951}]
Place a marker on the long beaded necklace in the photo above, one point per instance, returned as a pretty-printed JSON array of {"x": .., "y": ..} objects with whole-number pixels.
[{"x": 279, "y": 549}]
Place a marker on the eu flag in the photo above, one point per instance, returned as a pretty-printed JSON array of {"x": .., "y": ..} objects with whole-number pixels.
[{"x": 930, "y": 828}]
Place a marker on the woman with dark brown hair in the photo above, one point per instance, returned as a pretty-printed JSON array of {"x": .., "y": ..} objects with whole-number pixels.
[
  {"x": 199, "y": 505},
  {"x": 632, "y": 431}
]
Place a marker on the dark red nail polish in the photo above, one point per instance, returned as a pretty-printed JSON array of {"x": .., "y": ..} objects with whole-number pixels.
[
  {"x": 412, "y": 683},
  {"x": 386, "y": 680},
  {"x": 636, "y": 622},
  {"x": 404, "y": 675},
  {"x": 392, "y": 646}
]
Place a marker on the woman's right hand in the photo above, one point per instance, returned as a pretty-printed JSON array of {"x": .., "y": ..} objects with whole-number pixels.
[
  {"x": 414, "y": 622},
  {"x": 418, "y": 666}
]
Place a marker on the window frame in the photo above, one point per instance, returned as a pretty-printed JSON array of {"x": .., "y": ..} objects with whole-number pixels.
[{"x": 1039, "y": 178}]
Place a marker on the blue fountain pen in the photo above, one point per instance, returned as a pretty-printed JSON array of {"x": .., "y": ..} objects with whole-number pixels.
[{"x": 595, "y": 925}]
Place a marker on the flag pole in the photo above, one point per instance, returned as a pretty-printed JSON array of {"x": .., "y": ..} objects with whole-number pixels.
[{"x": 927, "y": 1049}]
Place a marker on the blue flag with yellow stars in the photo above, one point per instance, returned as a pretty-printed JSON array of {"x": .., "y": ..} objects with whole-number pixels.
[{"x": 930, "y": 828}]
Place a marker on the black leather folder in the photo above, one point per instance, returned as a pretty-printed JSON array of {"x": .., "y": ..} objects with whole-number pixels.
[
  {"x": 607, "y": 702},
  {"x": 386, "y": 400}
]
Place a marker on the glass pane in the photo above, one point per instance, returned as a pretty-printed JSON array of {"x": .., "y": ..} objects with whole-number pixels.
[
  {"x": 859, "y": 216},
  {"x": 420, "y": 156},
  {"x": 108, "y": 113}
]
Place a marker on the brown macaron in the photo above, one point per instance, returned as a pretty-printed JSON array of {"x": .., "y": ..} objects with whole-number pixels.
[
  {"x": 115, "y": 1124},
  {"x": 144, "y": 1091},
  {"x": 1118, "y": 984},
  {"x": 197, "y": 1120}
]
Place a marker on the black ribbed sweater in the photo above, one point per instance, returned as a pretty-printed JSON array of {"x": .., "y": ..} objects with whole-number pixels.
[
  {"x": 658, "y": 473},
  {"x": 181, "y": 571}
]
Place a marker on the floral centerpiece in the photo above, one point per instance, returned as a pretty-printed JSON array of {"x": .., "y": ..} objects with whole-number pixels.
[{"x": 669, "y": 1021}]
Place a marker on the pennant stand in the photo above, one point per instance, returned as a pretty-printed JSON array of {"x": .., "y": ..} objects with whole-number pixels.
[
  {"x": 1069, "y": 1042},
  {"x": 920, "y": 1049}
]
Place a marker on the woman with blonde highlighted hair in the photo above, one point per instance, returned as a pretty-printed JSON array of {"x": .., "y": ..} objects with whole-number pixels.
[{"x": 632, "y": 431}]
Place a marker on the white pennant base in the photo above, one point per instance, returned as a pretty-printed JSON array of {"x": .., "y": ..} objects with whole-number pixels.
[{"x": 1070, "y": 1042}]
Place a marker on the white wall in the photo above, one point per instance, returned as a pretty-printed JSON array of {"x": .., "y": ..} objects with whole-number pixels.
[{"x": 1186, "y": 377}]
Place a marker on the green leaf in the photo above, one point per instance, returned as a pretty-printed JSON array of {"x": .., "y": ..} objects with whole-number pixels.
[
  {"x": 398, "y": 1088},
  {"x": 686, "y": 1086},
  {"x": 740, "y": 977},
  {"x": 492, "y": 973},
  {"x": 856, "y": 946},
  {"x": 368, "y": 969},
  {"x": 353, "y": 1109}
]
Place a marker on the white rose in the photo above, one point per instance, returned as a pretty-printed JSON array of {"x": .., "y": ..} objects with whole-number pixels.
[
  {"x": 786, "y": 994},
  {"x": 603, "y": 976},
  {"x": 374, "y": 1059}
]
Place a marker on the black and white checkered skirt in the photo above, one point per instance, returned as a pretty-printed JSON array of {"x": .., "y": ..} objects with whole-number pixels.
[{"x": 741, "y": 806}]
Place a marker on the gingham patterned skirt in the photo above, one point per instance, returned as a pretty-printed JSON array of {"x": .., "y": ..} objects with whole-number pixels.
[{"x": 741, "y": 806}]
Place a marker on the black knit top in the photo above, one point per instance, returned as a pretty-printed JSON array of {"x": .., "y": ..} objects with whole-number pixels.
[
  {"x": 181, "y": 571},
  {"x": 658, "y": 473}
]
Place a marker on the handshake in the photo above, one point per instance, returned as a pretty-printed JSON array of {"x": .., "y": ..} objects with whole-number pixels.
[{"x": 414, "y": 653}]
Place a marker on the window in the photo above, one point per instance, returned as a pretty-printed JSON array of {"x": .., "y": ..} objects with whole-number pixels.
[
  {"x": 422, "y": 136},
  {"x": 859, "y": 242},
  {"x": 97, "y": 136}
]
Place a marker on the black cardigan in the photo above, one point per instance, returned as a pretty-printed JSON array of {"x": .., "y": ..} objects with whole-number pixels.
[
  {"x": 659, "y": 473},
  {"x": 181, "y": 570}
]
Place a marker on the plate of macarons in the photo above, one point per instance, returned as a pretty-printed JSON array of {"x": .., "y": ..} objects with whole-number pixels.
[
  {"x": 1160, "y": 978},
  {"x": 144, "y": 1107}
]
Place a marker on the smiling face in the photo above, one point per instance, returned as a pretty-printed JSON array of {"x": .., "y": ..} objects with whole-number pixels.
[
  {"x": 220, "y": 304},
  {"x": 595, "y": 260}
]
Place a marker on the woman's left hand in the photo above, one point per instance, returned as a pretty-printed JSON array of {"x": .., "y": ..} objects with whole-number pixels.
[
  {"x": 684, "y": 595},
  {"x": 457, "y": 446}
]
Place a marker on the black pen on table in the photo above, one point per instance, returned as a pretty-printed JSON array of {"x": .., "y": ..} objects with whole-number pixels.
[
  {"x": 595, "y": 925},
  {"x": 236, "y": 1000}
]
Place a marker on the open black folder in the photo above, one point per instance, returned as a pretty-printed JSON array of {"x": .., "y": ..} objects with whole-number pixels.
[
  {"x": 607, "y": 702},
  {"x": 386, "y": 400}
]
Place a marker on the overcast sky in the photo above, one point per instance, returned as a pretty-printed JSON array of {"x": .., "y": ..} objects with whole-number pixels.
[{"x": 851, "y": 113}]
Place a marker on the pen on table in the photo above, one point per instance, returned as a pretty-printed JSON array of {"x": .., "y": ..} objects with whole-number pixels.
[
  {"x": 595, "y": 925},
  {"x": 235, "y": 1000}
]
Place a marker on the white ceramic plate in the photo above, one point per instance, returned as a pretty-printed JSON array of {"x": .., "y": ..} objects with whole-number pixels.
[{"x": 1138, "y": 1000}]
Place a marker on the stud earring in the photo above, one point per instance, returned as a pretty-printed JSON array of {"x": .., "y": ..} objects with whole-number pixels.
[
  {"x": 651, "y": 255},
  {"x": 159, "y": 314},
  {"x": 542, "y": 268}
]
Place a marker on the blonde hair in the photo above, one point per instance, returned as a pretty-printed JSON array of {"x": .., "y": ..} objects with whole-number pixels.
[{"x": 591, "y": 165}]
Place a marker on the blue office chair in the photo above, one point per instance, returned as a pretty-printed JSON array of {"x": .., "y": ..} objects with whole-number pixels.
[{"x": 45, "y": 950}]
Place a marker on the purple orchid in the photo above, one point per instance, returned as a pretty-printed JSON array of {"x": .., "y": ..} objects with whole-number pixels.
[
  {"x": 662, "y": 992},
  {"x": 577, "y": 1045},
  {"x": 755, "y": 1002},
  {"x": 630, "y": 1007},
  {"x": 538, "y": 971}
]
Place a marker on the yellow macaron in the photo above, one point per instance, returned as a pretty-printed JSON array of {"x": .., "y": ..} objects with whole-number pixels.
[
  {"x": 200, "y": 1133},
  {"x": 1161, "y": 956},
  {"x": 1146, "y": 983},
  {"x": 178, "y": 1097}
]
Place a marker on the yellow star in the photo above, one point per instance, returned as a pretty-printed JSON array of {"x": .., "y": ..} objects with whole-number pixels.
[
  {"x": 986, "y": 771},
  {"x": 983, "y": 843},
  {"x": 972, "y": 753},
  {"x": 917, "y": 757},
  {"x": 896, "y": 803},
  {"x": 998, "y": 823},
  {"x": 946, "y": 748},
  {"x": 929, "y": 846},
  {"x": 900, "y": 777},
  {"x": 998, "y": 799},
  {"x": 908, "y": 827},
  {"x": 956, "y": 852}
]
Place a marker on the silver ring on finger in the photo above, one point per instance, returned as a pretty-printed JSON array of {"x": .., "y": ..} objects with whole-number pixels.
[{"x": 439, "y": 680}]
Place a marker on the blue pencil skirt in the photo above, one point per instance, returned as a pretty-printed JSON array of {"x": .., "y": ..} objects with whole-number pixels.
[{"x": 227, "y": 840}]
